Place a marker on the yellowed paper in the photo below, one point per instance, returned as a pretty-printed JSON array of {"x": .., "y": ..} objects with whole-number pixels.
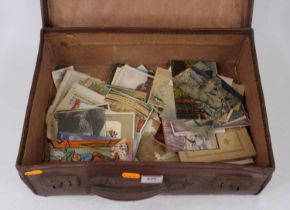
[
  {"x": 160, "y": 93},
  {"x": 242, "y": 161},
  {"x": 227, "y": 80},
  {"x": 59, "y": 74},
  {"x": 239, "y": 88},
  {"x": 71, "y": 77},
  {"x": 79, "y": 97},
  {"x": 233, "y": 144}
]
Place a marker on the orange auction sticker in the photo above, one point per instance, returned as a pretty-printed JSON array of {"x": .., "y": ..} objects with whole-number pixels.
[
  {"x": 34, "y": 172},
  {"x": 130, "y": 175}
]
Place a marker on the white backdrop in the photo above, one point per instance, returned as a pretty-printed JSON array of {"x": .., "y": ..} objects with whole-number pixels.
[{"x": 20, "y": 23}]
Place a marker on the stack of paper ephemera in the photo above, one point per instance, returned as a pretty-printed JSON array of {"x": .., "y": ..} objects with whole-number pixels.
[{"x": 188, "y": 113}]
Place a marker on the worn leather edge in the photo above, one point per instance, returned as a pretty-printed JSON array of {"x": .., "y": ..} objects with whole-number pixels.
[
  {"x": 44, "y": 13},
  {"x": 264, "y": 184},
  {"x": 262, "y": 100},
  {"x": 27, "y": 114},
  {"x": 251, "y": 12},
  {"x": 270, "y": 170},
  {"x": 238, "y": 31},
  {"x": 168, "y": 165}
]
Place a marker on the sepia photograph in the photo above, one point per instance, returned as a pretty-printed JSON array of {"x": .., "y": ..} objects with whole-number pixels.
[{"x": 85, "y": 122}]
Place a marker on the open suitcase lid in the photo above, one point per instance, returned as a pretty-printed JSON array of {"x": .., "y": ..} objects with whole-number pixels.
[{"x": 172, "y": 14}]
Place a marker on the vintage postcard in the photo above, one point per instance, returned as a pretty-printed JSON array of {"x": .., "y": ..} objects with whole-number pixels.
[
  {"x": 120, "y": 102},
  {"x": 237, "y": 113},
  {"x": 114, "y": 129},
  {"x": 51, "y": 128},
  {"x": 76, "y": 155},
  {"x": 82, "y": 143},
  {"x": 81, "y": 105},
  {"x": 204, "y": 94},
  {"x": 118, "y": 67},
  {"x": 237, "y": 87},
  {"x": 153, "y": 123},
  {"x": 120, "y": 124},
  {"x": 234, "y": 144},
  {"x": 161, "y": 91},
  {"x": 193, "y": 127},
  {"x": 185, "y": 104},
  {"x": 142, "y": 68},
  {"x": 129, "y": 77},
  {"x": 133, "y": 93},
  {"x": 204, "y": 67},
  {"x": 96, "y": 85},
  {"x": 116, "y": 150},
  {"x": 186, "y": 143},
  {"x": 58, "y": 75},
  {"x": 65, "y": 136},
  {"x": 79, "y": 97},
  {"x": 84, "y": 122},
  {"x": 236, "y": 124},
  {"x": 114, "y": 73},
  {"x": 150, "y": 128},
  {"x": 169, "y": 110},
  {"x": 70, "y": 78},
  {"x": 237, "y": 117}
]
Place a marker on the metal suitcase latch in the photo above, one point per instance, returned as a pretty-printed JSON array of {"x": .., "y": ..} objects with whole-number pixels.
[{"x": 60, "y": 182}]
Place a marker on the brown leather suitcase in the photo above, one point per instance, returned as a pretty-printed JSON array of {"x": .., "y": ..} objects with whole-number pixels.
[{"x": 93, "y": 35}]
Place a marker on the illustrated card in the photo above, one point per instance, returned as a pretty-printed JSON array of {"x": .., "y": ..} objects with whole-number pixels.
[
  {"x": 133, "y": 93},
  {"x": 120, "y": 124},
  {"x": 79, "y": 97},
  {"x": 70, "y": 78},
  {"x": 115, "y": 150},
  {"x": 96, "y": 85},
  {"x": 120, "y": 102}
]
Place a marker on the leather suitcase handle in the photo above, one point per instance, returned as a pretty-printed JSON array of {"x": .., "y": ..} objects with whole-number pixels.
[{"x": 130, "y": 193}]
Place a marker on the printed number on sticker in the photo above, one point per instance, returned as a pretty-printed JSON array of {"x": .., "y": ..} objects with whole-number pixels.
[{"x": 152, "y": 179}]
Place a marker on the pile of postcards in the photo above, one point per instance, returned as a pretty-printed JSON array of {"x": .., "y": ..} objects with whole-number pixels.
[{"x": 187, "y": 113}]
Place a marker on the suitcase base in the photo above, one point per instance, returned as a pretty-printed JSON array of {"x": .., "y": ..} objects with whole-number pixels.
[{"x": 95, "y": 52}]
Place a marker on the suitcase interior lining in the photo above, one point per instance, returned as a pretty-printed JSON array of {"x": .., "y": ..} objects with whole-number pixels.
[
  {"x": 97, "y": 53},
  {"x": 149, "y": 13}
]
